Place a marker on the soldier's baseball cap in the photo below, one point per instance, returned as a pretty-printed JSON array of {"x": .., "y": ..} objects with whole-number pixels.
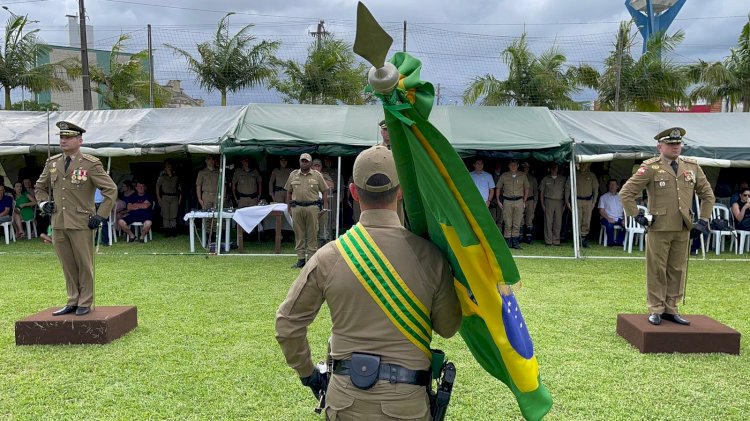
[
  {"x": 68, "y": 129},
  {"x": 305, "y": 157},
  {"x": 316, "y": 161},
  {"x": 671, "y": 135},
  {"x": 375, "y": 160}
]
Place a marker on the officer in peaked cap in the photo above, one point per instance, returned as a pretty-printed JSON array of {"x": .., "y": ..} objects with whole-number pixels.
[
  {"x": 304, "y": 190},
  {"x": 73, "y": 177},
  {"x": 671, "y": 182},
  {"x": 362, "y": 330}
]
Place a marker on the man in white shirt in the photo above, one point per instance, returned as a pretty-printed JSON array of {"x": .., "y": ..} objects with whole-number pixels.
[
  {"x": 483, "y": 180},
  {"x": 611, "y": 214}
]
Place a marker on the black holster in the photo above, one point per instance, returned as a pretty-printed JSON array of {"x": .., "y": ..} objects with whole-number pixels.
[{"x": 440, "y": 399}]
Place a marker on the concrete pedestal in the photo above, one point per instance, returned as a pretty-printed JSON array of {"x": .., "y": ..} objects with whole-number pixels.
[
  {"x": 704, "y": 335},
  {"x": 102, "y": 325}
]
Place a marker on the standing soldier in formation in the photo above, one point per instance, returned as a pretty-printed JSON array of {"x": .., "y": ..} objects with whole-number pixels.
[
  {"x": 513, "y": 188},
  {"x": 394, "y": 385},
  {"x": 671, "y": 181},
  {"x": 169, "y": 197},
  {"x": 304, "y": 189},
  {"x": 587, "y": 193},
  {"x": 528, "y": 214},
  {"x": 323, "y": 217},
  {"x": 207, "y": 184},
  {"x": 73, "y": 178},
  {"x": 246, "y": 185},
  {"x": 552, "y": 198},
  {"x": 332, "y": 205},
  {"x": 276, "y": 183}
]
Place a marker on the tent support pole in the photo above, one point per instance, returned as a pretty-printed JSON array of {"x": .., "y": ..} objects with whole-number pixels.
[
  {"x": 574, "y": 205},
  {"x": 338, "y": 196},
  {"x": 222, "y": 174}
]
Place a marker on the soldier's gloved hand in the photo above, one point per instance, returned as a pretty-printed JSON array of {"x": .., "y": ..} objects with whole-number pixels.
[
  {"x": 641, "y": 219},
  {"x": 95, "y": 221},
  {"x": 699, "y": 228},
  {"x": 317, "y": 382},
  {"x": 48, "y": 207}
]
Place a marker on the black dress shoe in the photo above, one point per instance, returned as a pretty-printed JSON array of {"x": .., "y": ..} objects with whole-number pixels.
[
  {"x": 65, "y": 310},
  {"x": 676, "y": 318},
  {"x": 654, "y": 319},
  {"x": 300, "y": 263},
  {"x": 83, "y": 310}
]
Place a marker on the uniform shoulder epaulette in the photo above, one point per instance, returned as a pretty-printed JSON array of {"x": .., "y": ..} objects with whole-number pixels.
[
  {"x": 90, "y": 158},
  {"x": 651, "y": 160},
  {"x": 54, "y": 157},
  {"x": 689, "y": 160}
]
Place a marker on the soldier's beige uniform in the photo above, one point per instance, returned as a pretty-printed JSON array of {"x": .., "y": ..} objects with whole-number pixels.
[
  {"x": 208, "y": 181},
  {"x": 512, "y": 190},
  {"x": 305, "y": 189},
  {"x": 73, "y": 195},
  {"x": 325, "y": 217},
  {"x": 246, "y": 183},
  {"x": 359, "y": 325},
  {"x": 587, "y": 192},
  {"x": 553, "y": 192},
  {"x": 168, "y": 188},
  {"x": 279, "y": 178},
  {"x": 670, "y": 199},
  {"x": 531, "y": 201}
]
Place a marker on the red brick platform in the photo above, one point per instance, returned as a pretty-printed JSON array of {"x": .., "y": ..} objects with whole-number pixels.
[
  {"x": 103, "y": 325},
  {"x": 704, "y": 335}
]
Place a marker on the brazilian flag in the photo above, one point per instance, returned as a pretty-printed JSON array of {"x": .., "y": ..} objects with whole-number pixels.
[{"x": 443, "y": 203}]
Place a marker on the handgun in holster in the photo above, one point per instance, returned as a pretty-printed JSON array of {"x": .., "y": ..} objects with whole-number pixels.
[
  {"x": 325, "y": 368},
  {"x": 444, "y": 373}
]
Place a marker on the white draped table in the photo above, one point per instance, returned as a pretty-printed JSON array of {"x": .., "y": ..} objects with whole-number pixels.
[{"x": 250, "y": 217}]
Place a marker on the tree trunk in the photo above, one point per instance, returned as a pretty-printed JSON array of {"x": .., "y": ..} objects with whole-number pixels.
[
  {"x": 223, "y": 98},
  {"x": 7, "y": 97}
]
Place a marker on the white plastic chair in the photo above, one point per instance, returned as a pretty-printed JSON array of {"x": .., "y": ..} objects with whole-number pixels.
[
  {"x": 9, "y": 231},
  {"x": 633, "y": 229},
  {"x": 137, "y": 226},
  {"x": 740, "y": 241},
  {"x": 720, "y": 212},
  {"x": 31, "y": 224}
]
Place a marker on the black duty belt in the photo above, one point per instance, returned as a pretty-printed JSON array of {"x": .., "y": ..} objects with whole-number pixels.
[
  {"x": 277, "y": 188},
  {"x": 169, "y": 194},
  {"x": 585, "y": 197},
  {"x": 250, "y": 195},
  {"x": 313, "y": 203},
  {"x": 511, "y": 198},
  {"x": 391, "y": 372}
]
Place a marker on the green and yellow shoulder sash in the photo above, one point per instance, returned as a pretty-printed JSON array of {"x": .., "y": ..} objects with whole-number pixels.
[{"x": 385, "y": 286}]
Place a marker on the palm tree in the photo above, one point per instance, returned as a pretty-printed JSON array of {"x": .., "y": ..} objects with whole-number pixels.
[
  {"x": 647, "y": 84},
  {"x": 330, "y": 75},
  {"x": 18, "y": 66},
  {"x": 229, "y": 64},
  {"x": 728, "y": 81},
  {"x": 542, "y": 81},
  {"x": 126, "y": 84}
]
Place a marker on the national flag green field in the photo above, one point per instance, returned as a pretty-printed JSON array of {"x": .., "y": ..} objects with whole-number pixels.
[{"x": 205, "y": 347}]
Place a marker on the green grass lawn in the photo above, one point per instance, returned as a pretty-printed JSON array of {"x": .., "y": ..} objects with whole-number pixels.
[{"x": 205, "y": 347}]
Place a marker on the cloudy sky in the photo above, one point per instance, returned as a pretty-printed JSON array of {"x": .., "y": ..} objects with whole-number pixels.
[{"x": 456, "y": 40}]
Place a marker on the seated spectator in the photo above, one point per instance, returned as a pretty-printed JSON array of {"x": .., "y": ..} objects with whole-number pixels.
[
  {"x": 612, "y": 214},
  {"x": 138, "y": 207},
  {"x": 741, "y": 210},
  {"x": 126, "y": 190},
  {"x": 6, "y": 205},
  {"x": 25, "y": 203},
  {"x": 735, "y": 197}
]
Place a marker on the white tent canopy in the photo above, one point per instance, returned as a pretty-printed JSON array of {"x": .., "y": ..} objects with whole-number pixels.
[{"x": 715, "y": 139}]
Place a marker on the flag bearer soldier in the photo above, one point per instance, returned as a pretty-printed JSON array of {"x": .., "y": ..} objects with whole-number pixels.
[
  {"x": 303, "y": 193},
  {"x": 671, "y": 181},
  {"x": 73, "y": 177},
  {"x": 363, "y": 333}
]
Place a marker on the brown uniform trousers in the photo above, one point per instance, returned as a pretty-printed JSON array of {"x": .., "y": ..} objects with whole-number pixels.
[
  {"x": 169, "y": 188},
  {"x": 279, "y": 177},
  {"x": 553, "y": 190},
  {"x": 246, "y": 184},
  {"x": 305, "y": 188},
  {"x": 512, "y": 191},
  {"x": 528, "y": 213},
  {"x": 208, "y": 180},
  {"x": 73, "y": 195},
  {"x": 670, "y": 197},
  {"x": 587, "y": 191},
  {"x": 359, "y": 325}
]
